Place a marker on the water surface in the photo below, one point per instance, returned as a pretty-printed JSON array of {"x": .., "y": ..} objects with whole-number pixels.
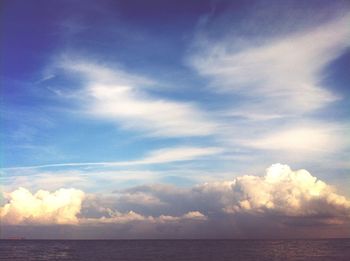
[{"x": 162, "y": 250}]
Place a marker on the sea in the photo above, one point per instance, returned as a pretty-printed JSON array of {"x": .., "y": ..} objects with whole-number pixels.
[{"x": 163, "y": 250}]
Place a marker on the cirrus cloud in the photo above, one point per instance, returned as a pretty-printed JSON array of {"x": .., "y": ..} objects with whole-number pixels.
[
  {"x": 270, "y": 72},
  {"x": 112, "y": 94}
]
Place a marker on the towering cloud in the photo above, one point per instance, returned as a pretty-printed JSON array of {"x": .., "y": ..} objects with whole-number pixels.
[
  {"x": 280, "y": 192},
  {"x": 284, "y": 191}
]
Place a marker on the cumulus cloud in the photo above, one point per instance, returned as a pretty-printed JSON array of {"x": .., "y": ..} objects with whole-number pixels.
[
  {"x": 43, "y": 207},
  {"x": 116, "y": 217},
  {"x": 282, "y": 199},
  {"x": 288, "y": 192},
  {"x": 63, "y": 207},
  {"x": 99, "y": 210},
  {"x": 281, "y": 191},
  {"x": 282, "y": 202}
]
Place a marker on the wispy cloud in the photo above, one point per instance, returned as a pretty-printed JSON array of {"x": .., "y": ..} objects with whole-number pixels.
[
  {"x": 160, "y": 156},
  {"x": 305, "y": 139},
  {"x": 275, "y": 75},
  {"x": 276, "y": 85},
  {"x": 115, "y": 95}
]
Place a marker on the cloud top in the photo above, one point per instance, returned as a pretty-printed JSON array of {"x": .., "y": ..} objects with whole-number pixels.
[
  {"x": 288, "y": 192},
  {"x": 43, "y": 207},
  {"x": 280, "y": 192},
  {"x": 282, "y": 198}
]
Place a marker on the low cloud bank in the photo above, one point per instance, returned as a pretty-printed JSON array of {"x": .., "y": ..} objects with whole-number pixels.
[
  {"x": 281, "y": 192},
  {"x": 123, "y": 218},
  {"x": 64, "y": 206},
  {"x": 281, "y": 199}
]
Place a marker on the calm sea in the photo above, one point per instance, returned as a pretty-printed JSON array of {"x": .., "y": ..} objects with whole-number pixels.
[{"x": 101, "y": 250}]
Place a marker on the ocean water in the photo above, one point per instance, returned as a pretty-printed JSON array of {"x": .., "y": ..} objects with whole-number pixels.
[{"x": 162, "y": 250}]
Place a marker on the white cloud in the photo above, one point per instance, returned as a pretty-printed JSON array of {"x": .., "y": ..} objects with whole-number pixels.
[
  {"x": 288, "y": 192},
  {"x": 302, "y": 139},
  {"x": 116, "y": 218},
  {"x": 191, "y": 215},
  {"x": 282, "y": 199},
  {"x": 131, "y": 216},
  {"x": 180, "y": 154},
  {"x": 43, "y": 207},
  {"x": 282, "y": 75},
  {"x": 281, "y": 192},
  {"x": 63, "y": 206},
  {"x": 35, "y": 180},
  {"x": 160, "y": 156},
  {"x": 276, "y": 84},
  {"x": 115, "y": 95}
]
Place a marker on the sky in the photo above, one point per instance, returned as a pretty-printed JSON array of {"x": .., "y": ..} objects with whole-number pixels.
[{"x": 174, "y": 119}]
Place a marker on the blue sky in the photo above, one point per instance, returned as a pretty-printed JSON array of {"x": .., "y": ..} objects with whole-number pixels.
[{"x": 103, "y": 96}]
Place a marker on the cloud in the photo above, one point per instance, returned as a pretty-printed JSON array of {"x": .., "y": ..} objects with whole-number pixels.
[
  {"x": 160, "y": 156},
  {"x": 317, "y": 138},
  {"x": 43, "y": 207},
  {"x": 131, "y": 216},
  {"x": 115, "y": 95},
  {"x": 250, "y": 205},
  {"x": 287, "y": 201},
  {"x": 287, "y": 192},
  {"x": 85, "y": 179},
  {"x": 180, "y": 154},
  {"x": 268, "y": 72},
  {"x": 30, "y": 180},
  {"x": 98, "y": 210},
  {"x": 280, "y": 192},
  {"x": 63, "y": 207},
  {"x": 276, "y": 83}
]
